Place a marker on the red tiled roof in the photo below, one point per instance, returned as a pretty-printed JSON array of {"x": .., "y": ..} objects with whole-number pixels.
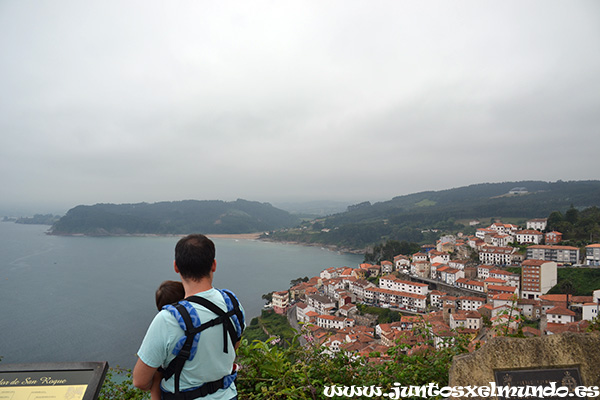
[
  {"x": 560, "y": 311},
  {"x": 502, "y": 288},
  {"x": 550, "y": 247}
]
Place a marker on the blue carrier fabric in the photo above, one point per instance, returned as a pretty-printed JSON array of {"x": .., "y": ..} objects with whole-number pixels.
[{"x": 185, "y": 349}]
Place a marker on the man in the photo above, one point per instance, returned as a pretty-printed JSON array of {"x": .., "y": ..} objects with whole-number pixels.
[{"x": 214, "y": 352}]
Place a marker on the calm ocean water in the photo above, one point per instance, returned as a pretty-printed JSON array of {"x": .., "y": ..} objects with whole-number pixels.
[{"x": 67, "y": 299}]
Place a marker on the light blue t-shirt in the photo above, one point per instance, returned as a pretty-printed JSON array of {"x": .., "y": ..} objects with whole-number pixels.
[{"x": 210, "y": 363}]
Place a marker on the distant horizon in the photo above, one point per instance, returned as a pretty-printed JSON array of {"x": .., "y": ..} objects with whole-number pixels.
[
  {"x": 147, "y": 101},
  {"x": 30, "y": 210}
]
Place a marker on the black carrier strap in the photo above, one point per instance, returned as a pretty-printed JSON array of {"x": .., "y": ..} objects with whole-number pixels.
[
  {"x": 223, "y": 318},
  {"x": 204, "y": 390},
  {"x": 176, "y": 365}
]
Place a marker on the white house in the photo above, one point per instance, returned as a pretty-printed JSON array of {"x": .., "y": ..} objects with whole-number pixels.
[
  {"x": 469, "y": 303},
  {"x": 438, "y": 257},
  {"x": 322, "y": 304},
  {"x": 451, "y": 275},
  {"x": 387, "y": 267},
  {"x": 402, "y": 263},
  {"x": 590, "y": 311},
  {"x": 393, "y": 283},
  {"x": 508, "y": 277},
  {"x": 333, "y": 322},
  {"x": 529, "y": 236},
  {"x": 280, "y": 301},
  {"x": 483, "y": 271},
  {"x": 560, "y": 315},
  {"x": 537, "y": 224},
  {"x": 435, "y": 298},
  {"x": 458, "y": 264},
  {"x": 469, "y": 284},
  {"x": 466, "y": 320},
  {"x": 419, "y": 257},
  {"x": 358, "y": 288},
  {"x": 501, "y": 239}
]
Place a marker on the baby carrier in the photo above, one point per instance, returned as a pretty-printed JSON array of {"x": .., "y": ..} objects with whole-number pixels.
[{"x": 185, "y": 349}]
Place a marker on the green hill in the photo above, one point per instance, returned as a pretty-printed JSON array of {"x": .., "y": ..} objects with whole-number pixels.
[
  {"x": 179, "y": 217},
  {"x": 420, "y": 217}
]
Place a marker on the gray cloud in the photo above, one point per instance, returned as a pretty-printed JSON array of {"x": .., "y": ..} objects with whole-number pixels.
[{"x": 147, "y": 101}]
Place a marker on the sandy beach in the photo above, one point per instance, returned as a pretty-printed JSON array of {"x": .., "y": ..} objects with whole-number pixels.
[{"x": 235, "y": 236}]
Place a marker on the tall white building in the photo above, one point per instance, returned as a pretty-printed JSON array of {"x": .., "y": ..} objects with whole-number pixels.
[{"x": 538, "y": 277}]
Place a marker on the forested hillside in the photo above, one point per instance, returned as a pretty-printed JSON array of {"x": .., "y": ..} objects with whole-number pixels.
[
  {"x": 180, "y": 217},
  {"x": 421, "y": 216}
]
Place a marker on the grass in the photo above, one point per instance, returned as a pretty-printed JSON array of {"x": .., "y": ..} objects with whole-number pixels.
[
  {"x": 577, "y": 281},
  {"x": 271, "y": 322}
]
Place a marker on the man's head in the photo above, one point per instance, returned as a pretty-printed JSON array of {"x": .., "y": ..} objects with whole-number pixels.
[{"x": 194, "y": 257}]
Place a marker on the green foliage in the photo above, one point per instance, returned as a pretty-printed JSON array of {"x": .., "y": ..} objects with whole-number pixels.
[
  {"x": 268, "y": 297},
  {"x": 38, "y": 219},
  {"x": 296, "y": 281},
  {"x": 273, "y": 372},
  {"x": 577, "y": 281},
  {"x": 594, "y": 325},
  {"x": 384, "y": 315},
  {"x": 405, "y": 218},
  {"x": 118, "y": 385},
  {"x": 240, "y": 216},
  {"x": 578, "y": 227},
  {"x": 388, "y": 250},
  {"x": 269, "y": 324}
]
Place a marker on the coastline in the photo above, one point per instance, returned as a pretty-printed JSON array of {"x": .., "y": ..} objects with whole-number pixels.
[
  {"x": 329, "y": 247},
  {"x": 242, "y": 236},
  {"x": 249, "y": 236}
]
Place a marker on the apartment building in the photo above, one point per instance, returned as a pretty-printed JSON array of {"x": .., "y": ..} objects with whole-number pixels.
[
  {"x": 592, "y": 254},
  {"x": 280, "y": 301},
  {"x": 496, "y": 255},
  {"x": 559, "y": 254},
  {"x": 538, "y": 277}
]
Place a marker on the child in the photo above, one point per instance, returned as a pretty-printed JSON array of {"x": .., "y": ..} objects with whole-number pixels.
[{"x": 169, "y": 292}]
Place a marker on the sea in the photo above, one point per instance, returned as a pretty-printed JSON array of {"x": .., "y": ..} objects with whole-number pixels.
[{"x": 80, "y": 299}]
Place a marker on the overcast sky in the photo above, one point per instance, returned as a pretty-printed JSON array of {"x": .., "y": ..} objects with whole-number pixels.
[{"x": 132, "y": 101}]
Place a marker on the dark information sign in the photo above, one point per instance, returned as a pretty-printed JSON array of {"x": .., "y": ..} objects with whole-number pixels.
[
  {"x": 550, "y": 379},
  {"x": 70, "y": 381}
]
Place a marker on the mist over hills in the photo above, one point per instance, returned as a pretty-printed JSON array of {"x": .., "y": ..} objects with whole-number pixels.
[
  {"x": 530, "y": 199},
  {"x": 407, "y": 217},
  {"x": 178, "y": 217},
  {"x": 419, "y": 217}
]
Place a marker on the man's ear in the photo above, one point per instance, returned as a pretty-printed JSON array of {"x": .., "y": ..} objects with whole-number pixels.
[
  {"x": 214, "y": 266},
  {"x": 175, "y": 267}
]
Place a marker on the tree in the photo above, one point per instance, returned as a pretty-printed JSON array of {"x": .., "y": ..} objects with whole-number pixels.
[
  {"x": 388, "y": 250},
  {"x": 554, "y": 219},
  {"x": 268, "y": 297},
  {"x": 296, "y": 281},
  {"x": 572, "y": 215}
]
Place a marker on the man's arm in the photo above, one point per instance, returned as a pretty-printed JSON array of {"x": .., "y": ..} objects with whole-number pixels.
[{"x": 143, "y": 375}]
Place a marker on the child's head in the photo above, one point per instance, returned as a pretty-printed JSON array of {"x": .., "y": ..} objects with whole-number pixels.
[{"x": 169, "y": 292}]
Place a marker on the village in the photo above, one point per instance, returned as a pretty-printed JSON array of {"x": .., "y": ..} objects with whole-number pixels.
[{"x": 446, "y": 293}]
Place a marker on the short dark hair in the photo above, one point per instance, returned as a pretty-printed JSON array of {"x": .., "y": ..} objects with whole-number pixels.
[
  {"x": 194, "y": 256},
  {"x": 169, "y": 292}
]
